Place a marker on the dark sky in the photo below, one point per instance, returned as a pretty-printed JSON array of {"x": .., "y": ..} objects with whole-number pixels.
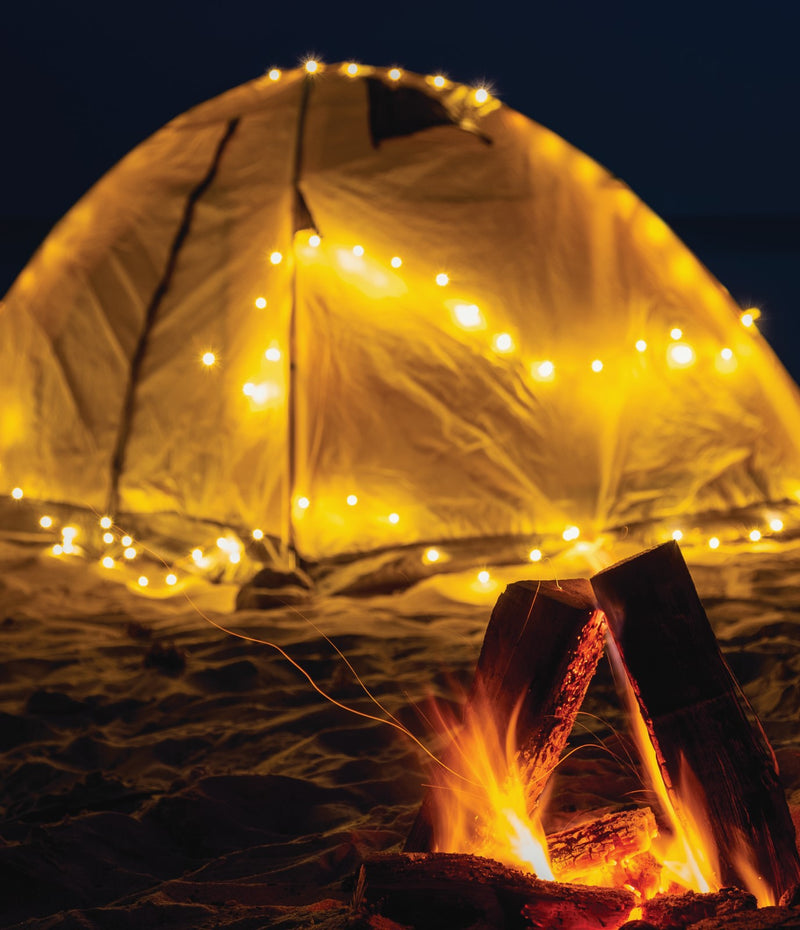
[{"x": 694, "y": 105}]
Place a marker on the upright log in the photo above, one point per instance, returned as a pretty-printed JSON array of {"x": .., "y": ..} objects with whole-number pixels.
[
  {"x": 691, "y": 706},
  {"x": 540, "y": 650}
]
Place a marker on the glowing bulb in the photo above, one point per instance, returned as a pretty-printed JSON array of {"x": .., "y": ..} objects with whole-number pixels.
[
  {"x": 394, "y": 517},
  {"x": 258, "y": 534},
  {"x": 713, "y": 543},
  {"x": 351, "y": 68},
  {"x": 235, "y": 557},
  {"x": 680, "y": 355},
  {"x": 431, "y": 555},
  {"x": 483, "y": 577},
  {"x": 352, "y": 500},
  {"x": 69, "y": 533},
  {"x": 442, "y": 279},
  {"x": 303, "y": 503},
  {"x": 209, "y": 358},
  {"x": 276, "y": 258},
  {"x": 312, "y": 66},
  {"x": 641, "y": 345},
  {"x": 108, "y": 538},
  {"x": 439, "y": 80},
  {"x": 543, "y": 371},
  {"x": 17, "y": 494},
  {"x": 776, "y": 525},
  {"x": 314, "y": 241},
  {"x": 106, "y": 522},
  {"x": 726, "y": 354},
  {"x": 248, "y": 389},
  {"x": 130, "y": 553},
  {"x": 261, "y": 302},
  {"x": 749, "y": 316},
  {"x": 358, "y": 250},
  {"x": 396, "y": 262},
  {"x": 143, "y": 581},
  {"x": 274, "y": 74},
  {"x": 755, "y": 535},
  {"x": 171, "y": 579},
  {"x": 677, "y": 535},
  {"x": 570, "y": 533},
  {"x": 597, "y": 365},
  {"x": 468, "y": 315},
  {"x": 126, "y": 541},
  {"x": 107, "y": 561},
  {"x": 503, "y": 342},
  {"x": 535, "y": 555},
  {"x": 57, "y": 549},
  {"x": 273, "y": 354},
  {"x": 676, "y": 332},
  {"x": 45, "y": 522},
  {"x": 197, "y": 556},
  {"x": 481, "y": 95},
  {"x": 395, "y": 74}
]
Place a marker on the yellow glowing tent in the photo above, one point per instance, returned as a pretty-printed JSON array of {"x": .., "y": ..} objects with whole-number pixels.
[{"x": 362, "y": 309}]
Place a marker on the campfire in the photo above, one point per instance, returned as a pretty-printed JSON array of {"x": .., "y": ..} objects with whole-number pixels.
[{"x": 718, "y": 841}]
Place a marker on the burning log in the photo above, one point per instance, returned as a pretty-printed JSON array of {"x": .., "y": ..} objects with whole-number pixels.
[
  {"x": 434, "y": 890},
  {"x": 691, "y": 706},
  {"x": 612, "y": 851},
  {"x": 541, "y": 648},
  {"x": 677, "y": 911}
]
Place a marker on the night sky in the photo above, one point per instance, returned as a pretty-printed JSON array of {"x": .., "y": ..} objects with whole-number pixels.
[{"x": 694, "y": 106}]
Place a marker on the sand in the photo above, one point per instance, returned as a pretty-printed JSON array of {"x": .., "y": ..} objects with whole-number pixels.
[{"x": 157, "y": 772}]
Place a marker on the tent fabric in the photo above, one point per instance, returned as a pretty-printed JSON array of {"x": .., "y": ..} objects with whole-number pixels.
[{"x": 426, "y": 401}]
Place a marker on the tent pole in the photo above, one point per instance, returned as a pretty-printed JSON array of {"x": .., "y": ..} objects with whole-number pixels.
[{"x": 289, "y": 540}]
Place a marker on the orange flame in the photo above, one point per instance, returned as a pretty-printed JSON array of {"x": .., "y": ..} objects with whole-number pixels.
[{"x": 485, "y": 811}]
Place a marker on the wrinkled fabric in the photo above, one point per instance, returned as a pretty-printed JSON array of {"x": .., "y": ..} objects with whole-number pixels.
[{"x": 392, "y": 399}]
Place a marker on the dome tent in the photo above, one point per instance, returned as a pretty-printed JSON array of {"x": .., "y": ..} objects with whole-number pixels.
[{"x": 365, "y": 311}]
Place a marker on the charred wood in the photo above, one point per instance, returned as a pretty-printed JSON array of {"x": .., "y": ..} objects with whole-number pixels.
[{"x": 693, "y": 711}]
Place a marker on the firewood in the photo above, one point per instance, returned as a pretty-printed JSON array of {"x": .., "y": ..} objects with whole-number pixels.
[
  {"x": 611, "y": 837},
  {"x": 678, "y": 911},
  {"x": 541, "y": 648},
  {"x": 691, "y": 705},
  {"x": 435, "y": 890},
  {"x": 767, "y": 918}
]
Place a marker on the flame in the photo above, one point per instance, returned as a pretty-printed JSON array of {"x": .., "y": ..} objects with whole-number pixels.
[
  {"x": 688, "y": 854},
  {"x": 481, "y": 803}
]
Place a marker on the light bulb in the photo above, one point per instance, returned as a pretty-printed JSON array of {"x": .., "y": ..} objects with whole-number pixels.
[
  {"x": 431, "y": 555},
  {"x": 503, "y": 342},
  {"x": 726, "y": 354},
  {"x": 171, "y": 579},
  {"x": 468, "y": 315},
  {"x": 276, "y": 258},
  {"x": 258, "y": 534},
  {"x": 57, "y": 549},
  {"x": 776, "y": 525},
  {"x": 680, "y": 355},
  {"x": 45, "y": 522},
  {"x": 143, "y": 581},
  {"x": 352, "y": 500},
  {"x": 106, "y": 522},
  {"x": 481, "y": 95},
  {"x": 395, "y": 74},
  {"x": 69, "y": 533},
  {"x": 303, "y": 503},
  {"x": 483, "y": 577},
  {"x": 442, "y": 279},
  {"x": 314, "y": 241},
  {"x": 274, "y": 74},
  {"x": 641, "y": 345},
  {"x": 570, "y": 533},
  {"x": 261, "y": 302},
  {"x": 396, "y": 262},
  {"x": 130, "y": 553},
  {"x": 713, "y": 543},
  {"x": 544, "y": 370},
  {"x": 351, "y": 69},
  {"x": 17, "y": 494},
  {"x": 535, "y": 555},
  {"x": 311, "y": 65},
  {"x": 235, "y": 557},
  {"x": 676, "y": 332},
  {"x": 126, "y": 541},
  {"x": 107, "y": 561},
  {"x": 358, "y": 250},
  {"x": 394, "y": 517},
  {"x": 439, "y": 80},
  {"x": 273, "y": 354},
  {"x": 677, "y": 535},
  {"x": 597, "y": 365},
  {"x": 197, "y": 556},
  {"x": 749, "y": 316},
  {"x": 108, "y": 538},
  {"x": 755, "y": 535},
  {"x": 209, "y": 358}
]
